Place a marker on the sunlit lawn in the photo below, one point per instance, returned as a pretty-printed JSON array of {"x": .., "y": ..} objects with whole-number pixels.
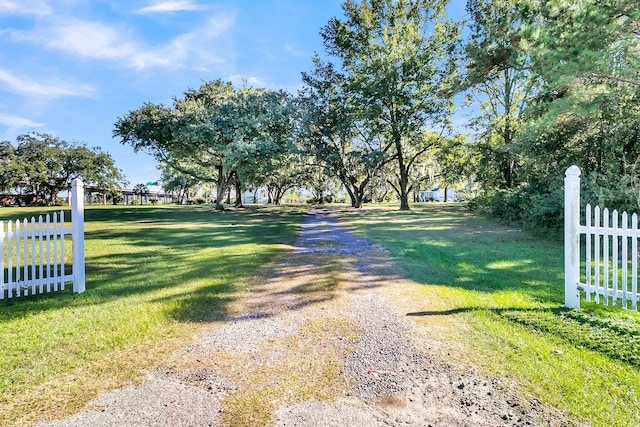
[
  {"x": 153, "y": 275},
  {"x": 492, "y": 296},
  {"x": 489, "y": 296}
]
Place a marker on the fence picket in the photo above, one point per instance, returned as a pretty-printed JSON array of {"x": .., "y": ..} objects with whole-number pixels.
[
  {"x": 55, "y": 253},
  {"x": 32, "y": 239},
  {"x": 40, "y": 258},
  {"x": 614, "y": 250},
  {"x": 634, "y": 262},
  {"x": 48, "y": 252},
  {"x": 62, "y": 272},
  {"x": 2, "y": 282},
  {"x": 605, "y": 255},
  {"x": 10, "y": 259},
  {"x": 32, "y": 254},
  {"x": 588, "y": 253},
  {"x": 25, "y": 257},
  {"x": 16, "y": 239},
  {"x": 625, "y": 258},
  {"x": 596, "y": 252}
]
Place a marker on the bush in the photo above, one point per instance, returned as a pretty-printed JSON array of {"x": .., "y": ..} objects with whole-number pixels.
[{"x": 542, "y": 212}]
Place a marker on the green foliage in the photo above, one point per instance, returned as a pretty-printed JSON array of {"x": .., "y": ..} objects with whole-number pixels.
[
  {"x": 333, "y": 132},
  {"x": 397, "y": 59},
  {"x": 577, "y": 67},
  {"x": 43, "y": 165},
  {"x": 491, "y": 298},
  {"x": 497, "y": 77},
  {"x": 182, "y": 183},
  {"x": 115, "y": 196},
  {"x": 214, "y": 133},
  {"x": 541, "y": 212}
]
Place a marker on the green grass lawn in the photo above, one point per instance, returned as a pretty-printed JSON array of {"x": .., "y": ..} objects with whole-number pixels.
[
  {"x": 154, "y": 274},
  {"x": 492, "y": 296}
]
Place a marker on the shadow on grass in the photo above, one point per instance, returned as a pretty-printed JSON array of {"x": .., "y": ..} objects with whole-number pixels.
[
  {"x": 293, "y": 283},
  {"x": 581, "y": 328},
  {"x": 493, "y": 265},
  {"x": 447, "y": 245},
  {"x": 190, "y": 258}
]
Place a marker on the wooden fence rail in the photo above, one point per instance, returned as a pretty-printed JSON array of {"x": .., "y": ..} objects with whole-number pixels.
[
  {"x": 32, "y": 252},
  {"x": 610, "y": 252}
]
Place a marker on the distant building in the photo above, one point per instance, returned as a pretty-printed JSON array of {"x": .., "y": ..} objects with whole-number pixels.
[
  {"x": 258, "y": 195},
  {"x": 437, "y": 194}
]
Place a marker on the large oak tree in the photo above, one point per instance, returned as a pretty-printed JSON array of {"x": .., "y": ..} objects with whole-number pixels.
[
  {"x": 212, "y": 133},
  {"x": 398, "y": 59},
  {"x": 43, "y": 165}
]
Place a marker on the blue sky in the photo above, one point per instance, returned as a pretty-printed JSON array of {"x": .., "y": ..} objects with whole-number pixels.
[{"x": 72, "y": 67}]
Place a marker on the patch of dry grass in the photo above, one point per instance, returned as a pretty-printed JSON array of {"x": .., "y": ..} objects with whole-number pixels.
[{"x": 290, "y": 369}]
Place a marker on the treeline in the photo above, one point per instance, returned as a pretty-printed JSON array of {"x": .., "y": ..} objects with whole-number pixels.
[
  {"x": 370, "y": 119},
  {"x": 545, "y": 85},
  {"x": 548, "y": 84},
  {"x": 556, "y": 83},
  {"x": 39, "y": 166}
]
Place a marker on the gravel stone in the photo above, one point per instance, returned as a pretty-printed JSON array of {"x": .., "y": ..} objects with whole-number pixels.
[{"x": 396, "y": 380}]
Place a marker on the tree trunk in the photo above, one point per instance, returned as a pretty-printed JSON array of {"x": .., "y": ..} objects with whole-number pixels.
[
  {"x": 359, "y": 198},
  {"x": 403, "y": 187},
  {"x": 238, "y": 203},
  {"x": 352, "y": 196},
  {"x": 277, "y": 196},
  {"x": 403, "y": 183},
  {"x": 221, "y": 187},
  {"x": 445, "y": 194},
  {"x": 404, "y": 193}
]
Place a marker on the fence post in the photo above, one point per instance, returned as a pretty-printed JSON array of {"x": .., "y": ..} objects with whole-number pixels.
[
  {"x": 571, "y": 237},
  {"x": 77, "y": 222}
]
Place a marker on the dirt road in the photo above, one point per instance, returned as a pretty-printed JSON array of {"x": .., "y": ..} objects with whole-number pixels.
[{"x": 318, "y": 342}]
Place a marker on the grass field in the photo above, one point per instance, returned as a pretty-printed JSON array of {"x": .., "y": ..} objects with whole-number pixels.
[
  {"x": 493, "y": 298},
  {"x": 154, "y": 274},
  {"x": 490, "y": 296}
]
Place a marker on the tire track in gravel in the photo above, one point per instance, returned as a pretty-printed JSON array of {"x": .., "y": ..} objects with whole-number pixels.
[{"x": 316, "y": 343}]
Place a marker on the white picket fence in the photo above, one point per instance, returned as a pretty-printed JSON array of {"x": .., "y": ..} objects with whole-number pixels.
[
  {"x": 32, "y": 252},
  {"x": 610, "y": 252}
]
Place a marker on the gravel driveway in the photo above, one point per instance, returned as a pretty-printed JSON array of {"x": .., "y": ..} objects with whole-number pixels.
[{"x": 387, "y": 374}]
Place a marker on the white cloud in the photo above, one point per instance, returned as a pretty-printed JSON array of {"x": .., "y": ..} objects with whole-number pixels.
[
  {"x": 170, "y": 7},
  {"x": 18, "y": 122},
  {"x": 196, "y": 47},
  {"x": 82, "y": 38},
  {"x": 24, "y": 7},
  {"x": 294, "y": 51},
  {"x": 95, "y": 40},
  {"x": 51, "y": 88}
]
